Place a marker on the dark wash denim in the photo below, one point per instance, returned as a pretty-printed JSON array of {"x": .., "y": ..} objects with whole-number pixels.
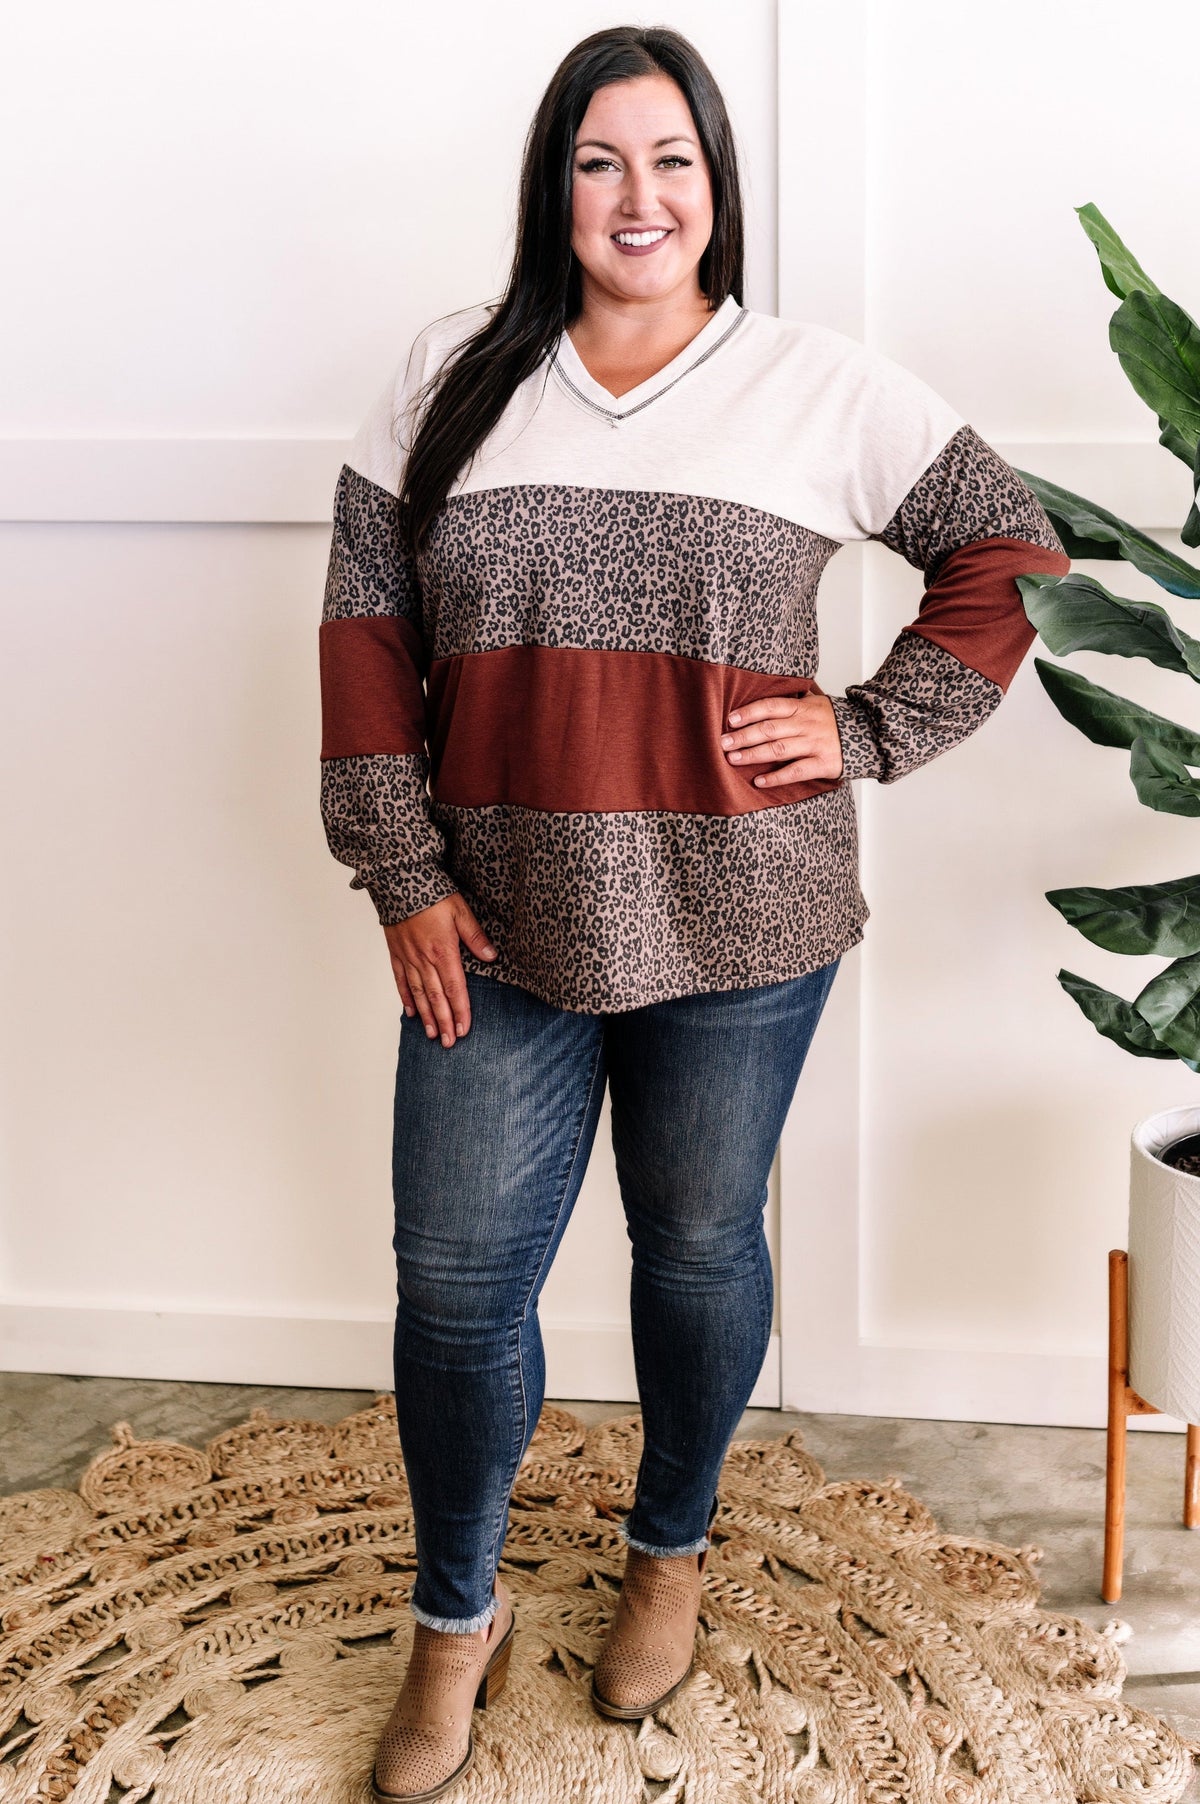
[{"x": 491, "y": 1142}]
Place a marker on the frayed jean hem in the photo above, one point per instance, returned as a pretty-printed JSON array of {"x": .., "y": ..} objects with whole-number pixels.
[
  {"x": 456, "y": 1625},
  {"x": 662, "y": 1552}
]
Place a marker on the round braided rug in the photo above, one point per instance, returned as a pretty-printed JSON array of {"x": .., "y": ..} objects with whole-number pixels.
[{"x": 230, "y": 1626}]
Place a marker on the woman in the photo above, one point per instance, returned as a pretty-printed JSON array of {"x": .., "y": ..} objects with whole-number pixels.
[{"x": 576, "y": 551}]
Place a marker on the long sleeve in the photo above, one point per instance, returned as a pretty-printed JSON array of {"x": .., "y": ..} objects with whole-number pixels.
[
  {"x": 971, "y": 525},
  {"x": 374, "y": 757}
]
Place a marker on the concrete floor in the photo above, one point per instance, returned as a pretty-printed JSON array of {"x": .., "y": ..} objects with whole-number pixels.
[{"x": 1008, "y": 1484}]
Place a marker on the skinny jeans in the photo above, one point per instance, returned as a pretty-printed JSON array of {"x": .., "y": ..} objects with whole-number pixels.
[{"x": 491, "y": 1141}]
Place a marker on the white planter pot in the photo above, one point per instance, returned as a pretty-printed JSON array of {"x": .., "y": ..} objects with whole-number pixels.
[{"x": 1164, "y": 1268}]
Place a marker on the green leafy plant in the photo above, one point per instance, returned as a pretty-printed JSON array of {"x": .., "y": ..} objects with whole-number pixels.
[{"x": 1158, "y": 346}]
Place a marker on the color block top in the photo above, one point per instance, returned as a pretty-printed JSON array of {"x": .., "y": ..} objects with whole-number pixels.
[{"x": 531, "y": 712}]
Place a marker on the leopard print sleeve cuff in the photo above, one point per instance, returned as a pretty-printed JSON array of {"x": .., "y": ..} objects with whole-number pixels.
[
  {"x": 920, "y": 702},
  {"x": 374, "y": 758},
  {"x": 861, "y": 755}
]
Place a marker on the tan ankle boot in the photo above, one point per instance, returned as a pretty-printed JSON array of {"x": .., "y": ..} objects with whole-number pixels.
[
  {"x": 427, "y": 1744},
  {"x": 647, "y": 1653}
]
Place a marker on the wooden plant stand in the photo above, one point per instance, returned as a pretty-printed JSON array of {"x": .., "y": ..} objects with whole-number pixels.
[{"x": 1123, "y": 1402}]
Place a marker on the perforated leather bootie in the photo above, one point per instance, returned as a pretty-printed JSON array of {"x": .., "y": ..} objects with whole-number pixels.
[
  {"x": 648, "y": 1651},
  {"x": 427, "y": 1744}
]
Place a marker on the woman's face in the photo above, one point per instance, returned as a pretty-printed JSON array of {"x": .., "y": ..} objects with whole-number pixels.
[{"x": 639, "y": 166}]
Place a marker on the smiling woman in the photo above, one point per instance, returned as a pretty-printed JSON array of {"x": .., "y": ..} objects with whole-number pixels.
[
  {"x": 641, "y": 218},
  {"x": 576, "y": 751}
]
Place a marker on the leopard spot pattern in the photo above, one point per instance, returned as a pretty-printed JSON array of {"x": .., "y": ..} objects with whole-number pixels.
[
  {"x": 968, "y": 492},
  {"x": 625, "y": 570},
  {"x": 920, "y": 702},
  {"x": 369, "y": 569},
  {"x": 375, "y": 810},
  {"x": 605, "y": 912}
]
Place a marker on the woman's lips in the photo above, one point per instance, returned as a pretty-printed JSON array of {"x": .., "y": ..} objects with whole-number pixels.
[{"x": 641, "y": 250}]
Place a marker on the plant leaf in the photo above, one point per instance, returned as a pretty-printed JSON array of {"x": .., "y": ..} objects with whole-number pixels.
[
  {"x": 1109, "y": 719},
  {"x": 1076, "y": 613},
  {"x": 1120, "y": 268},
  {"x": 1161, "y": 918},
  {"x": 1158, "y": 345},
  {"x": 1090, "y": 531},
  {"x": 1189, "y": 532},
  {"x": 1176, "y": 441},
  {"x": 1162, "y": 780},
  {"x": 1170, "y": 1005},
  {"x": 1149, "y": 340},
  {"x": 1113, "y": 1017}
]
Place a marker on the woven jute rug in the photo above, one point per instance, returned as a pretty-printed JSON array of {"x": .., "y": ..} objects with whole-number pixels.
[{"x": 229, "y": 1625}]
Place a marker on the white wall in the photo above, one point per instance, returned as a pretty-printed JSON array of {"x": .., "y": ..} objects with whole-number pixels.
[
  {"x": 929, "y": 175},
  {"x": 228, "y": 226},
  {"x": 996, "y": 1161}
]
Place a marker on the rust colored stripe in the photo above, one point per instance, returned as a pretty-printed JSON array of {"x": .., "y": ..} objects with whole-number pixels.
[
  {"x": 974, "y": 610},
  {"x": 371, "y": 695},
  {"x": 573, "y": 729}
]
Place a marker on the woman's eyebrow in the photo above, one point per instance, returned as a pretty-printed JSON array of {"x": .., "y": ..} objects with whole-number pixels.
[{"x": 657, "y": 145}]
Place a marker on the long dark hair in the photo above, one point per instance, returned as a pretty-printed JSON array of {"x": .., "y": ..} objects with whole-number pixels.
[{"x": 467, "y": 396}]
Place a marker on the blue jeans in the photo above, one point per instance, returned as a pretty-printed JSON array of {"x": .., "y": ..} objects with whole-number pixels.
[{"x": 491, "y": 1143}]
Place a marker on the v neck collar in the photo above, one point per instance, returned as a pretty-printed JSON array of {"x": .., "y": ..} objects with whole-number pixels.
[{"x": 573, "y": 374}]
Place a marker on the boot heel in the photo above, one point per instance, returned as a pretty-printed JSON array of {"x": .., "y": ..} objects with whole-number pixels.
[{"x": 496, "y": 1672}]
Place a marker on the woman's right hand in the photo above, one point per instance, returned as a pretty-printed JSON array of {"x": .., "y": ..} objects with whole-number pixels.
[{"x": 428, "y": 968}]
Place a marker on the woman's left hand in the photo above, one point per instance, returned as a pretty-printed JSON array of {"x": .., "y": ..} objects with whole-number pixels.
[{"x": 801, "y": 728}]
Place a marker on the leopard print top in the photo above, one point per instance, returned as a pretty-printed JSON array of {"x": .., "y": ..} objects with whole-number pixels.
[{"x": 530, "y": 712}]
